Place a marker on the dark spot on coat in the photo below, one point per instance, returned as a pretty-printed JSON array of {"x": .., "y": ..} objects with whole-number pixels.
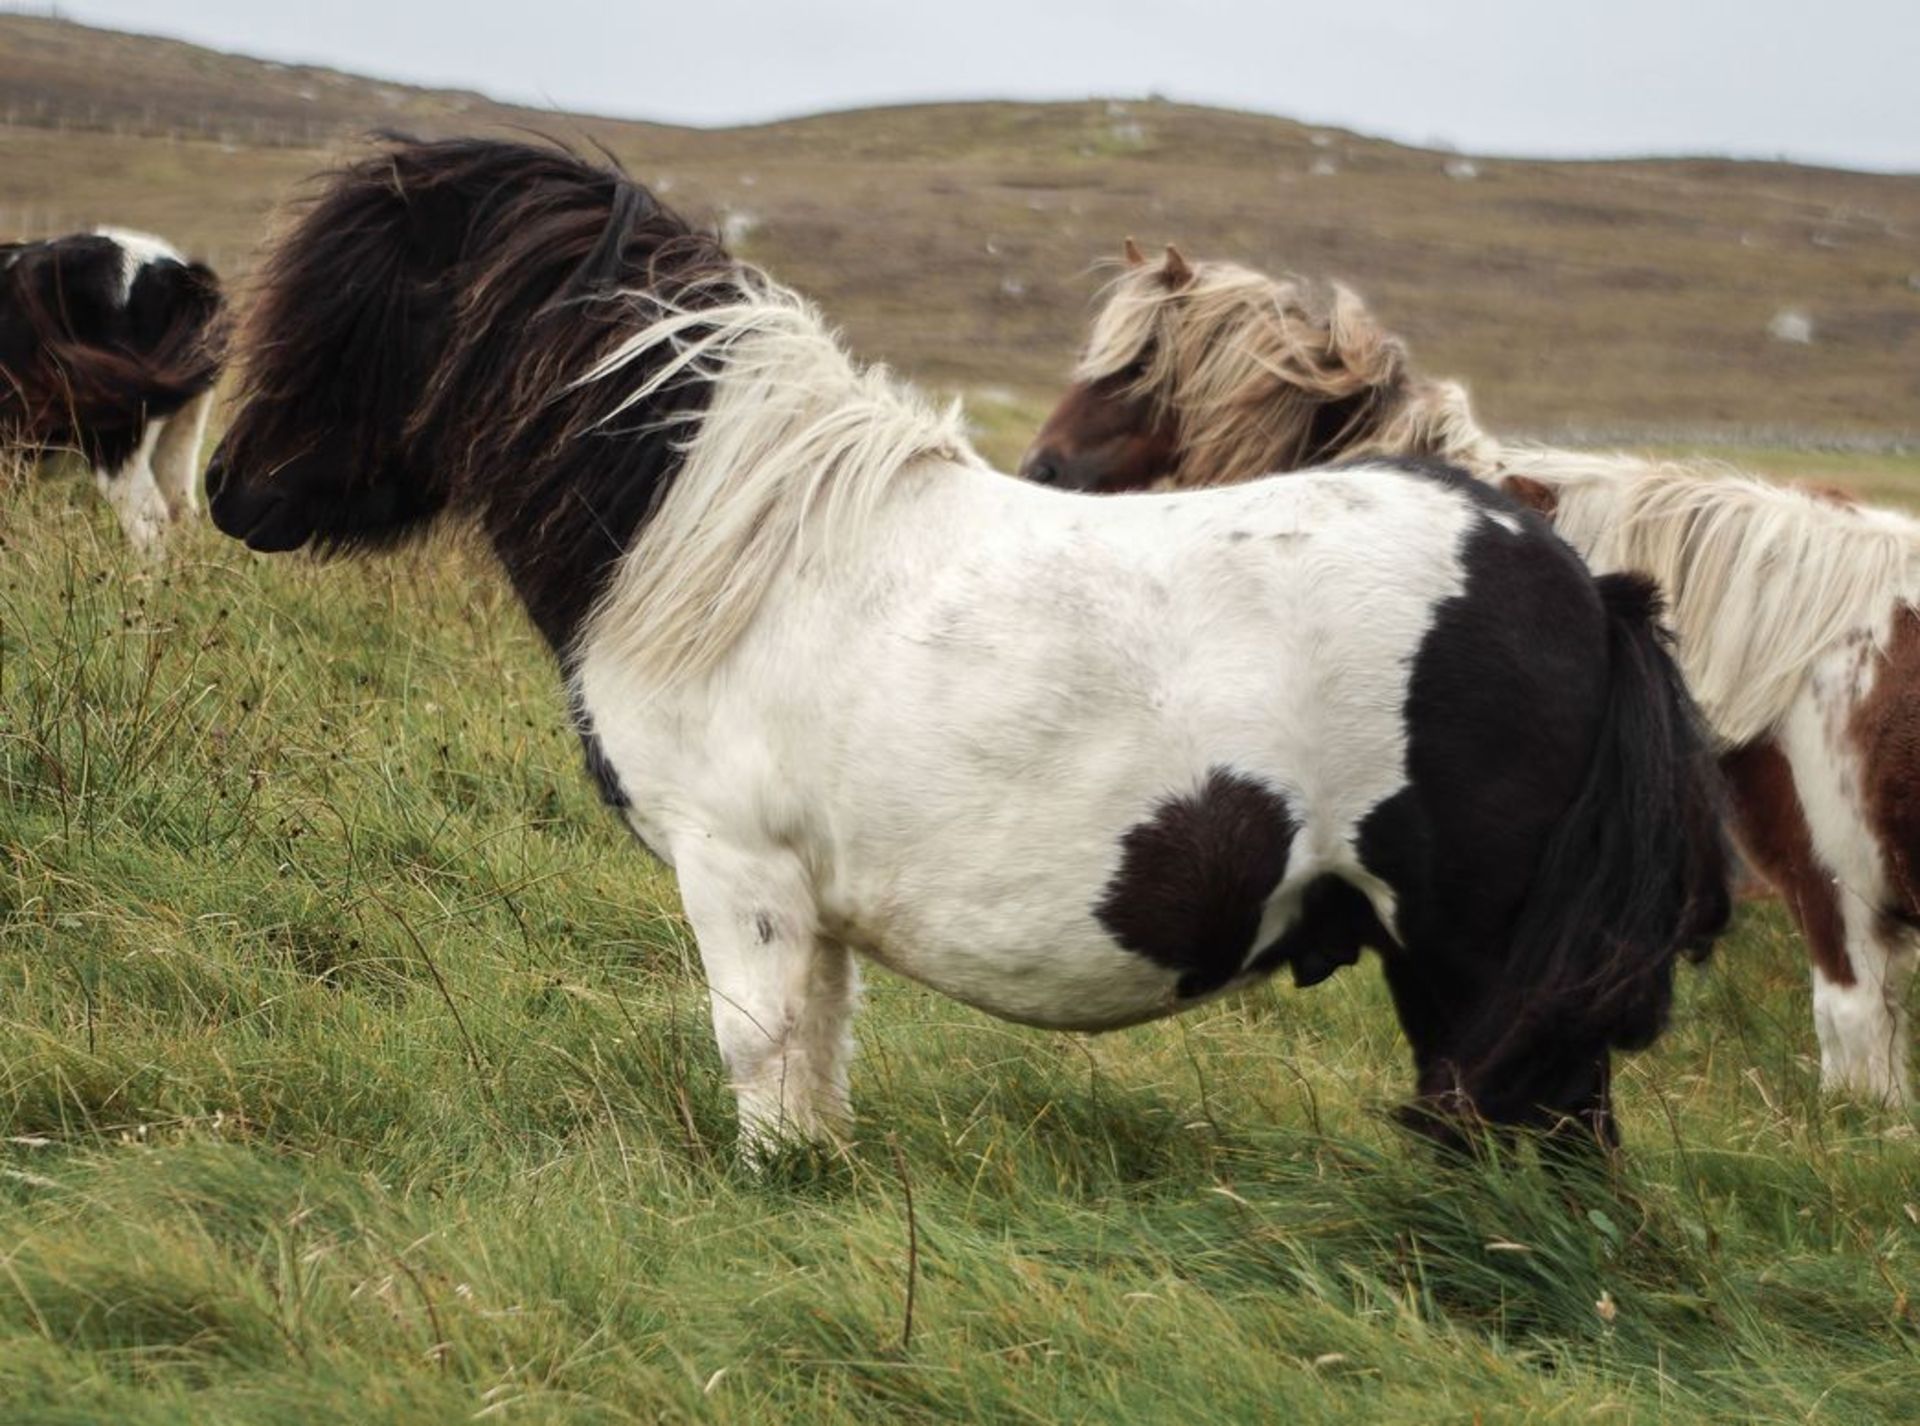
[
  {"x": 1195, "y": 877},
  {"x": 762, "y": 927}
]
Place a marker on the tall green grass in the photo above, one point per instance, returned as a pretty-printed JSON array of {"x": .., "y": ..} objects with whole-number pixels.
[{"x": 354, "y": 1067}]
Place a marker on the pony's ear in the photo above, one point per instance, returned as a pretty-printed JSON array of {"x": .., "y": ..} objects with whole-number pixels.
[
  {"x": 1130, "y": 253},
  {"x": 1175, "y": 271}
]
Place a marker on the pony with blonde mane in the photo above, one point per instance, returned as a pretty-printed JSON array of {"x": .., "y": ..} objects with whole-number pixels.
[
  {"x": 868, "y": 696},
  {"x": 1795, "y": 613}
]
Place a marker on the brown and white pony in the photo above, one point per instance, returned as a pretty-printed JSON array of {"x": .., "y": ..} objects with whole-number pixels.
[
  {"x": 107, "y": 349},
  {"x": 1797, "y": 616}
]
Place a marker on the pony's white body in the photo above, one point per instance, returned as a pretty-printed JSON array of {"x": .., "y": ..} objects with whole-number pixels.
[{"x": 1113, "y": 652}]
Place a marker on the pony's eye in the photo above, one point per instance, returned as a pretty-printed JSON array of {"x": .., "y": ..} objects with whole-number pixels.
[{"x": 1134, "y": 370}]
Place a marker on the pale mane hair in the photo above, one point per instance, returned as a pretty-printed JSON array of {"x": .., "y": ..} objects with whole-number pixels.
[
  {"x": 1251, "y": 368},
  {"x": 1760, "y": 579},
  {"x": 797, "y": 447}
]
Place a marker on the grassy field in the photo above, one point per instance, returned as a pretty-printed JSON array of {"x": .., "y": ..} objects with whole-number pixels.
[{"x": 354, "y": 1067}]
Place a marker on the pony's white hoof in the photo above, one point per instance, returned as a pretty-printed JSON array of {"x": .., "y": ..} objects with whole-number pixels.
[{"x": 1867, "y": 1087}]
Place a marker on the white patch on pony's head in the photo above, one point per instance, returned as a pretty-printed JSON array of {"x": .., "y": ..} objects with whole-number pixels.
[
  {"x": 137, "y": 249},
  {"x": 1266, "y": 374},
  {"x": 796, "y": 443},
  {"x": 1760, "y": 579}
]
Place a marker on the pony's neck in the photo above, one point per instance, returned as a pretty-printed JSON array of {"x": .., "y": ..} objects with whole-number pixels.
[
  {"x": 796, "y": 448},
  {"x": 573, "y": 489}
]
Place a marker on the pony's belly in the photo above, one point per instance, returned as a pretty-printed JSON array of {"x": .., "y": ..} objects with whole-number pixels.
[{"x": 1082, "y": 988}]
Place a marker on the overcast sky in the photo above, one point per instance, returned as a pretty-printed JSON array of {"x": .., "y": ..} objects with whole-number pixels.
[{"x": 1835, "y": 81}]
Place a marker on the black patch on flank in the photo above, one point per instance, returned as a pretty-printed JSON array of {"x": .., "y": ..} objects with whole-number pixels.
[
  {"x": 598, "y": 768},
  {"x": 1195, "y": 877},
  {"x": 1502, "y": 708},
  {"x": 1506, "y": 712},
  {"x": 762, "y": 927}
]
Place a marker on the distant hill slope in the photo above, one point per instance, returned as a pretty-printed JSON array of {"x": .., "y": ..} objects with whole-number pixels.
[{"x": 955, "y": 239}]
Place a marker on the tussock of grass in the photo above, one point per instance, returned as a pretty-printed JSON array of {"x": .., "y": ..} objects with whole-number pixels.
[{"x": 354, "y": 1067}]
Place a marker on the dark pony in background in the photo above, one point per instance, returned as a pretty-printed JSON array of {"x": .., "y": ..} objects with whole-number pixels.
[
  {"x": 107, "y": 348},
  {"x": 873, "y": 699},
  {"x": 1797, "y": 615}
]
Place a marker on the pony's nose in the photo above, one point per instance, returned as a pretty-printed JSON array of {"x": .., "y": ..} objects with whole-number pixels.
[
  {"x": 1041, "y": 469},
  {"x": 217, "y": 472}
]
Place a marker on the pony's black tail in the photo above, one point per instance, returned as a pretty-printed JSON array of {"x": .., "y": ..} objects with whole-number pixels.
[{"x": 1634, "y": 874}]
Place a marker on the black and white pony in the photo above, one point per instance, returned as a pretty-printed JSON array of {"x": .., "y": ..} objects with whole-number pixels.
[
  {"x": 1080, "y": 763},
  {"x": 106, "y": 348}
]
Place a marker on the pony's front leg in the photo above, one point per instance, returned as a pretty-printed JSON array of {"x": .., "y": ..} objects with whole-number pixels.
[
  {"x": 783, "y": 994},
  {"x": 136, "y": 500},
  {"x": 176, "y": 457},
  {"x": 1863, "y": 1026}
]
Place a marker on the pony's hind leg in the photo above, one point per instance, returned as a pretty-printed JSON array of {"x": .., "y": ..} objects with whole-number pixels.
[
  {"x": 176, "y": 457},
  {"x": 782, "y": 993},
  {"x": 136, "y": 499}
]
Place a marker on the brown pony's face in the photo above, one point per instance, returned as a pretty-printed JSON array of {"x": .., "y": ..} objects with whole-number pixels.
[
  {"x": 1105, "y": 436},
  {"x": 1115, "y": 431}
]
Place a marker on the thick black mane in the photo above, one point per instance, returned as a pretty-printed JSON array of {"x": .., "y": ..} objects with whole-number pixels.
[
  {"x": 416, "y": 338},
  {"x": 85, "y": 367}
]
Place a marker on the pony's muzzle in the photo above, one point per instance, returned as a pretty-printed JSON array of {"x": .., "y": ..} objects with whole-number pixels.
[
  {"x": 219, "y": 470},
  {"x": 262, "y": 520},
  {"x": 1041, "y": 468}
]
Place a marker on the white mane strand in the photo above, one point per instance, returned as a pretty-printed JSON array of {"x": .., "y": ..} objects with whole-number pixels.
[
  {"x": 796, "y": 444},
  {"x": 1760, "y": 579}
]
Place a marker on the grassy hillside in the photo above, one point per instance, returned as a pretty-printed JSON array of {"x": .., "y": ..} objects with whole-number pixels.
[
  {"x": 956, "y": 239},
  {"x": 354, "y": 1067}
]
